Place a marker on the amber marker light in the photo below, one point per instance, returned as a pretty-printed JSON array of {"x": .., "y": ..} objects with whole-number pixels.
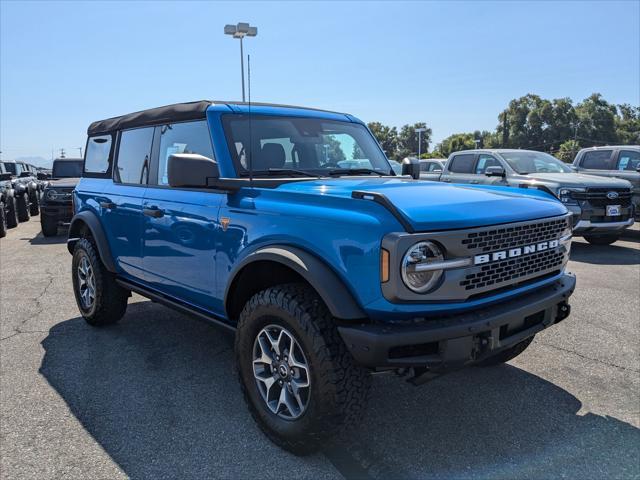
[{"x": 384, "y": 265}]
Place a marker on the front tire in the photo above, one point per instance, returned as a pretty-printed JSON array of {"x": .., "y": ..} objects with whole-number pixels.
[
  {"x": 506, "y": 355},
  {"x": 12, "y": 213},
  {"x": 49, "y": 226},
  {"x": 34, "y": 206},
  {"x": 601, "y": 239},
  {"x": 287, "y": 341},
  {"x": 100, "y": 299},
  {"x": 3, "y": 221},
  {"x": 22, "y": 207}
]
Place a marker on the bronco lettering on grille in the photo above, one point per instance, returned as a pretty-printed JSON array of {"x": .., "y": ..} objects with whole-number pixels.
[{"x": 514, "y": 252}]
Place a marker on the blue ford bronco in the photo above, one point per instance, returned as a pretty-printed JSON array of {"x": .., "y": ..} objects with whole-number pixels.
[{"x": 288, "y": 226}]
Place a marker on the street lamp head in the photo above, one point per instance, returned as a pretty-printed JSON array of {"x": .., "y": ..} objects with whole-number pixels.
[
  {"x": 253, "y": 31},
  {"x": 420, "y": 130},
  {"x": 230, "y": 29},
  {"x": 240, "y": 30},
  {"x": 243, "y": 28}
]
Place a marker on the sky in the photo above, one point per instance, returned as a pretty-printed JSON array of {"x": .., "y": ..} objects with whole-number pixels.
[{"x": 453, "y": 65}]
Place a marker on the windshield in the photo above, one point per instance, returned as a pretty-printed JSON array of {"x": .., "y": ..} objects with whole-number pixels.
[
  {"x": 10, "y": 167},
  {"x": 534, "y": 162},
  {"x": 67, "y": 169},
  {"x": 293, "y": 145}
]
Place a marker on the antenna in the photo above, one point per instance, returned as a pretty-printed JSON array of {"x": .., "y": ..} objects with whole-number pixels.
[{"x": 250, "y": 136}]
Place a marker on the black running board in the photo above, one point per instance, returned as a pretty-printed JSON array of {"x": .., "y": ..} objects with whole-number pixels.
[{"x": 176, "y": 305}]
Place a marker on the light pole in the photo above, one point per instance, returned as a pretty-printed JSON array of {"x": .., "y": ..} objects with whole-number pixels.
[
  {"x": 419, "y": 132},
  {"x": 240, "y": 31}
]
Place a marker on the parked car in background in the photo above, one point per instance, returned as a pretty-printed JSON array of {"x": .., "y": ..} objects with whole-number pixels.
[
  {"x": 601, "y": 207},
  {"x": 258, "y": 219},
  {"x": 55, "y": 207},
  {"x": 8, "y": 214},
  {"x": 26, "y": 189},
  {"x": 431, "y": 166},
  {"x": 620, "y": 161}
]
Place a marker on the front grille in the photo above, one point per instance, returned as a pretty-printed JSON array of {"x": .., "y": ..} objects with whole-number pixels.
[
  {"x": 597, "y": 197},
  {"x": 509, "y": 237},
  {"x": 509, "y": 271}
]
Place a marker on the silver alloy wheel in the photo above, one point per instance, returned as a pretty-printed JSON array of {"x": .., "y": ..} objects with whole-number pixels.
[
  {"x": 86, "y": 283},
  {"x": 281, "y": 372}
]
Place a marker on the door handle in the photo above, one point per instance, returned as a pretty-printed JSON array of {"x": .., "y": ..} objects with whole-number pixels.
[
  {"x": 154, "y": 212},
  {"x": 110, "y": 205}
]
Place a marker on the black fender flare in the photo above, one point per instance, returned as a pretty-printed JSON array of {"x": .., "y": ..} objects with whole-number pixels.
[
  {"x": 333, "y": 291},
  {"x": 92, "y": 222},
  {"x": 7, "y": 194}
]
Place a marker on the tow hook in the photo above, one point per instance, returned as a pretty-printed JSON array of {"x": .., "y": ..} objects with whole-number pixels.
[{"x": 564, "y": 309}]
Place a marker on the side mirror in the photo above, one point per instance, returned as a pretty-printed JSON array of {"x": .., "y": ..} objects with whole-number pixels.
[
  {"x": 5, "y": 176},
  {"x": 191, "y": 170},
  {"x": 411, "y": 166},
  {"x": 573, "y": 167},
  {"x": 638, "y": 169},
  {"x": 42, "y": 176},
  {"x": 495, "y": 171},
  {"x": 25, "y": 174}
]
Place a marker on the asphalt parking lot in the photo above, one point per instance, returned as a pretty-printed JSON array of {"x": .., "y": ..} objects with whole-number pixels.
[{"x": 156, "y": 396}]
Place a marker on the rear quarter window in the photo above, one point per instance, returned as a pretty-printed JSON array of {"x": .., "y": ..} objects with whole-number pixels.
[
  {"x": 98, "y": 156},
  {"x": 462, "y": 163},
  {"x": 597, "y": 160},
  {"x": 628, "y": 160}
]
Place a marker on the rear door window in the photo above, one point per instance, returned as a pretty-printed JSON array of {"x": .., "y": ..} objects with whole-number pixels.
[
  {"x": 188, "y": 137},
  {"x": 134, "y": 156},
  {"x": 462, "y": 163},
  {"x": 628, "y": 160},
  {"x": 597, "y": 160}
]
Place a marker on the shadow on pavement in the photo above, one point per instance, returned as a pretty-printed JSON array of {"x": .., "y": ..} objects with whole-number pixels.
[
  {"x": 604, "y": 254},
  {"x": 631, "y": 235},
  {"x": 159, "y": 394},
  {"x": 40, "y": 239}
]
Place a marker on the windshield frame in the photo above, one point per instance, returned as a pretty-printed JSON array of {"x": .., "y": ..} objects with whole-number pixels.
[
  {"x": 242, "y": 172},
  {"x": 512, "y": 166}
]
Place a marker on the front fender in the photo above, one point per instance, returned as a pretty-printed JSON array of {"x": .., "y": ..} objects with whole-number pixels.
[
  {"x": 91, "y": 221},
  {"x": 317, "y": 273}
]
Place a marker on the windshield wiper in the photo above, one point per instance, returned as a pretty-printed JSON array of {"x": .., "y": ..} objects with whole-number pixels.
[
  {"x": 290, "y": 171},
  {"x": 354, "y": 171}
]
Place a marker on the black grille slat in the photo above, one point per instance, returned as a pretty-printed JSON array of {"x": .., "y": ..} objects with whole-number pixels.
[
  {"x": 510, "y": 237},
  {"x": 495, "y": 274}
]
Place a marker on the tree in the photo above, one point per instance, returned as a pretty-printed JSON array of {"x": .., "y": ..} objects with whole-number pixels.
[
  {"x": 596, "y": 121},
  {"x": 455, "y": 143},
  {"x": 357, "y": 152},
  {"x": 387, "y": 138},
  {"x": 408, "y": 140},
  {"x": 567, "y": 151},
  {"x": 628, "y": 124}
]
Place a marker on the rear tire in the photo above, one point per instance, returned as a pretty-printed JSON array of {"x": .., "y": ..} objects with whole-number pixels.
[
  {"x": 337, "y": 388},
  {"x": 100, "y": 299},
  {"x": 22, "y": 207},
  {"x": 3, "y": 221},
  {"x": 506, "y": 355},
  {"x": 12, "y": 213},
  {"x": 34, "y": 206},
  {"x": 601, "y": 239}
]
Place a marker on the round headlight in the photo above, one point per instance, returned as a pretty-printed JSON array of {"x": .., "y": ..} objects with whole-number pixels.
[
  {"x": 52, "y": 194},
  {"x": 418, "y": 271}
]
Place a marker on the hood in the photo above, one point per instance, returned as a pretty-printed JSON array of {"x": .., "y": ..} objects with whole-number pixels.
[
  {"x": 430, "y": 206},
  {"x": 575, "y": 180},
  {"x": 64, "y": 183}
]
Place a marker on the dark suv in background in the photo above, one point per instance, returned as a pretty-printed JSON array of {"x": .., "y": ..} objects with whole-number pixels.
[
  {"x": 27, "y": 188},
  {"x": 8, "y": 216},
  {"x": 621, "y": 161},
  {"x": 55, "y": 206}
]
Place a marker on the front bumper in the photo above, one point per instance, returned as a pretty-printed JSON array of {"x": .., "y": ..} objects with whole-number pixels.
[
  {"x": 589, "y": 220},
  {"x": 450, "y": 342},
  {"x": 61, "y": 213}
]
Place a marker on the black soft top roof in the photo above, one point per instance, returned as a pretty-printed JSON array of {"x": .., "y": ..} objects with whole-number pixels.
[{"x": 177, "y": 112}]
